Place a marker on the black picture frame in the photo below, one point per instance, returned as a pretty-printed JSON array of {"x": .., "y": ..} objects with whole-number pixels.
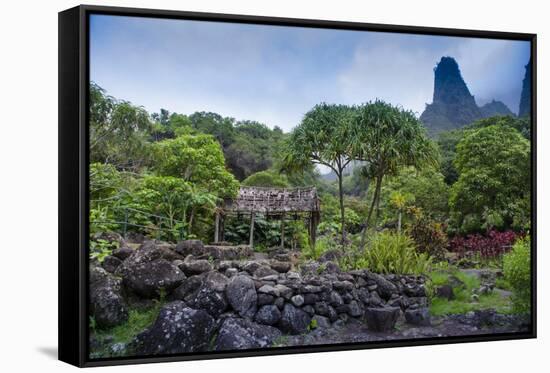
[{"x": 73, "y": 180}]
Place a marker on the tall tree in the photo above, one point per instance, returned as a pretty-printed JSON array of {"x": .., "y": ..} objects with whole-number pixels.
[
  {"x": 197, "y": 159},
  {"x": 388, "y": 137},
  {"x": 494, "y": 183},
  {"x": 118, "y": 131},
  {"x": 323, "y": 137}
]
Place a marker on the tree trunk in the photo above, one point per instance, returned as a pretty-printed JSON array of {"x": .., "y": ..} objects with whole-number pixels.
[
  {"x": 191, "y": 217},
  {"x": 375, "y": 198},
  {"x": 378, "y": 187},
  {"x": 342, "y": 212},
  {"x": 251, "y": 238},
  {"x": 217, "y": 228},
  {"x": 399, "y": 222}
]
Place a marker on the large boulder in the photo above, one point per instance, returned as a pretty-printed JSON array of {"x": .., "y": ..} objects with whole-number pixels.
[
  {"x": 148, "y": 252},
  {"x": 264, "y": 271},
  {"x": 419, "y": 316},
  {"x": 281, "y": 267},
  {"x": 107, "y": 305},
  {"x": 210, "y": 300},
  {"x": 148, "y": 279},
  {"x": 123, "y": 252},
  {"x": 384, "y": 287},
  {"x": 242, "y": 296},
  {"x": 189, "y": 247},
  {"x": 210, "y": 295},
  {"x": 195, "y": 267},
  {"x": 177, "y": 329},
  {"x": 242, "y": 334},
  {"x": 294, "y": 320},
  {"x": 268, "y": 315},
  {"x": 188, "y": 289},
  {"x": 382, "y": 319},
  {"x": 111, "y": 263}
]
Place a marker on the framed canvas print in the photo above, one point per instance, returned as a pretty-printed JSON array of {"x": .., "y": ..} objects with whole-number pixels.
[{"x": 234, "y": 185}]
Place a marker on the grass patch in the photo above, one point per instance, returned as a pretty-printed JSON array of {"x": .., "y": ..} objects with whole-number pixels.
[
  {"x": 462, "y": 302},
  {"x": 502, "y": 283},
  {"x": 138, "y": 321}
]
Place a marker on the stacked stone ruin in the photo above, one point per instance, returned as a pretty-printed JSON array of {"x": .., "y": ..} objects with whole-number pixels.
[{"x": 218, "y": 298}]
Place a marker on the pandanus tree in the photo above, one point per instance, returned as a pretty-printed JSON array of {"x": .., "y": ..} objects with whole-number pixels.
[
  {"x": 386, "y": 138},
  {"x": 323, "y": 138}
]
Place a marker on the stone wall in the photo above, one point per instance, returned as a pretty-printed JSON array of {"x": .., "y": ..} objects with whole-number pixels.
[{"x": 222, "y": 304}]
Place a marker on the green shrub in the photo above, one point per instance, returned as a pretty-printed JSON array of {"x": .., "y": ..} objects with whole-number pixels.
[
  {"x": 430, "y": 237},
  {"x": 99, "y": 249},
  {"x": 267, "y": 178},
  {"x": 389, "y": 252},
  {"x": 517, "y": 271},
  {"x": 322, "y": 244}
]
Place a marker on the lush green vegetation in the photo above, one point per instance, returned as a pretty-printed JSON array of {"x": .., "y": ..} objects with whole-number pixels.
[
  {"x": 138, "y": 321},
  {"x": 395, "y": 200},
  {"x": 389, "y": 252},
  {"x": 464, "y": 287},
  {"x": 517, "y": 273}
]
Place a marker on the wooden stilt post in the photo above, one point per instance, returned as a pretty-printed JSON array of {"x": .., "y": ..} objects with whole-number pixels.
[
  {"x": 251, "y": 242},
  {"x": 283, "y": 231},
  {"x": 217, "y": 228},
  {"x": 312, "y": 228},
  {"x": 222, "y": 228}
]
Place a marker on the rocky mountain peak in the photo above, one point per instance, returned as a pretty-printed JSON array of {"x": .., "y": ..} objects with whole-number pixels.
[
  {"x": 525, "y": 100},
  {"x": 449, "y": 87},
  {"x": 453, "y": 105}
]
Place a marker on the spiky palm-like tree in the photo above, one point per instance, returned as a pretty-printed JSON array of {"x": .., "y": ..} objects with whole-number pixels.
[
  {"x": 387, "y": 138},
  {"x": 323, "y": 137}
]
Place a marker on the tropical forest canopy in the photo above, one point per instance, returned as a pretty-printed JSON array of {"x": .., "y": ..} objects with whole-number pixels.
[{"x": 163, "y": 174}]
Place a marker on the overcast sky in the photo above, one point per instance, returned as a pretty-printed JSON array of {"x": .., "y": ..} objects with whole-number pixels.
[{"x": 275, "y": 74}]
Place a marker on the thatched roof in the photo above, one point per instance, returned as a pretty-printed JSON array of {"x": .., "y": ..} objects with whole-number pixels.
[{"x": 274, "y": 201}]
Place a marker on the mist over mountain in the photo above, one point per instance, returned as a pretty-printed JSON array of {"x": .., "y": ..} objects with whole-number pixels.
[
  {"x": 453, "y": 106},
  {"x": 525, "y": 100}
]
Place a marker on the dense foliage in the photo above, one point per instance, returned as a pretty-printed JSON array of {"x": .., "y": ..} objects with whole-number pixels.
[
  {"x": 389, "y": 252},
  {"x": 491, "y": 245},
  {"x": 394, "y": 200},
  {"x": 517, "y": 270},
  {"x": 494, "y": 180}
]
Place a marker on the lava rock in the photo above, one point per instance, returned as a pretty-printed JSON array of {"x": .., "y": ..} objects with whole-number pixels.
[
  {"x": 177, "y": 329},
  {"x": 264, "y": 299},
  {"x": 264, "y": 271},
  {"x": 384, "y": 287},
  {"x": 419, "y": 316},
  {"x": 111, "y": 263},
  {"x": 355, "y": 310},
  {"x": 106, "y": 302},
  {"x": 268, "y": 315},
  {"x": 242, "y": 334},
  {"x": 281, "y": 267},
  {"x": 297, "y": 300},
  {"x": 123, "y": 253},
  {"x": 149, "y": 278},
  {"x": 382, "y": 319},
  {"x": 189, "y": 247},
  {"x": 294, "y": 320},
  {"x": 216, "y": 281},
  {"x": 242, "y": 296},
  {"x": 196, "y": 267},
  {"x": 321, "y": 322},
  {"x": 445, "y": 291},
  {"x": 210, "y": 300},
  {"x": 188, "y": 289}
]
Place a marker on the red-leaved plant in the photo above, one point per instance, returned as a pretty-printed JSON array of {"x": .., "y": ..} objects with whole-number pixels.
[{"x": 493, "y": 245}]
